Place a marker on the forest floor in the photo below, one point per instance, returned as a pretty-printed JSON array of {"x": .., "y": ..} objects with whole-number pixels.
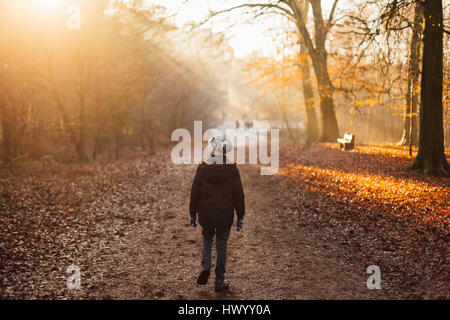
[{"x": 310, "y": 231}]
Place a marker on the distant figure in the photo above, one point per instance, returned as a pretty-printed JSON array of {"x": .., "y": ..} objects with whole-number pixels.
[
  {"x": 216, "y": 193},
  {"x": 248, "y": 124}
]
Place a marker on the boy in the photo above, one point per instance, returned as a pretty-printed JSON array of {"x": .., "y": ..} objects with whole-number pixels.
[{"x": 216, "y": 192}]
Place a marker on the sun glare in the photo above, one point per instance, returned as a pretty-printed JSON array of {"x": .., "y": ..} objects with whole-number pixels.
[{"x": 50, "y": 5}]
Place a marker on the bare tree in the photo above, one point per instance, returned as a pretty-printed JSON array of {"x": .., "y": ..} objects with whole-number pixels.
[
  {"x": 315, "y": 45},
  {"x": 431, "y": 156},
  {"x": 412, "y": 91},
  {"x": 308, "y": 94}
]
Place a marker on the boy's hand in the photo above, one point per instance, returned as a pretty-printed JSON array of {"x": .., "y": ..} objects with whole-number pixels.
[
  {"x": 240, "y": 224},
  {"x": 193, "y": 221}
]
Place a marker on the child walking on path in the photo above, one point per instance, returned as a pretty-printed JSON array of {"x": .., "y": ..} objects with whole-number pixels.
[{"x": 216, "y": 193}]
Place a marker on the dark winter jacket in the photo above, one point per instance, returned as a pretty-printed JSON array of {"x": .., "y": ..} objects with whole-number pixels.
[{"x": 216, "y": 192}]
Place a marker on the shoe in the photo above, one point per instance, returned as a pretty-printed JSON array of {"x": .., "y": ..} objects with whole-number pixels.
[
  {"x": 203, "y": 277},
  {"x": 221, "y": 286}
]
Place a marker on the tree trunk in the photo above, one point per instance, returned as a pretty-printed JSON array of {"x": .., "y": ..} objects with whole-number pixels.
[
  {"x": 70, "y": 130},
  {"x": 81, "y": 149},
  {"x": 13, "y": 121},
  {"x": 412, "y": 93},
  {"x": 431, "y": 156},
  {"x": 308, "y": 96},
  {"x": 151, "y": 142},
  {"x": 318, "y": 53},
  {"x": 330, "y": 128},
  {"x": 118, "y": 145},
  {"x": 82, "y": 156},
  {"x": 7, "y": 128},
  {"x": 288, "y": 127}
]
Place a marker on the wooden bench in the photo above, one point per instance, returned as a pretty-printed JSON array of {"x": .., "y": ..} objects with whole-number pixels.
[{"x": 348, "y": 142}]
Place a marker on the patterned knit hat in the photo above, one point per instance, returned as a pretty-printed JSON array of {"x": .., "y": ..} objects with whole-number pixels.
[{"x": 220, "y": 144}]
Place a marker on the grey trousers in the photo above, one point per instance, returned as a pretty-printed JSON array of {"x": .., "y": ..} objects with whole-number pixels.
[{"x": 221, "y": 249}]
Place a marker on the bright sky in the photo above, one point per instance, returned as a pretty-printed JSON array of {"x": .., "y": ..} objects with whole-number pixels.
[
  {"x": 245, "y": 38},
  {"x": 246, "y": 35}
]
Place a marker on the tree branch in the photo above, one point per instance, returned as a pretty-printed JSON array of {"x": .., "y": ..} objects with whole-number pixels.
[
  {"x": 276, "y": 6},
  {"x": 319, "y": 25},
  {"x": 331, "y": 17},
  {"x": 300, "y": 21}
]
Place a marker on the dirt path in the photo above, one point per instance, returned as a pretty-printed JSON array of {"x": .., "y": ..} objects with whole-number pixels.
[
  {"x": 133, "y": 241},
  {"x": 277, "y": 256}
]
